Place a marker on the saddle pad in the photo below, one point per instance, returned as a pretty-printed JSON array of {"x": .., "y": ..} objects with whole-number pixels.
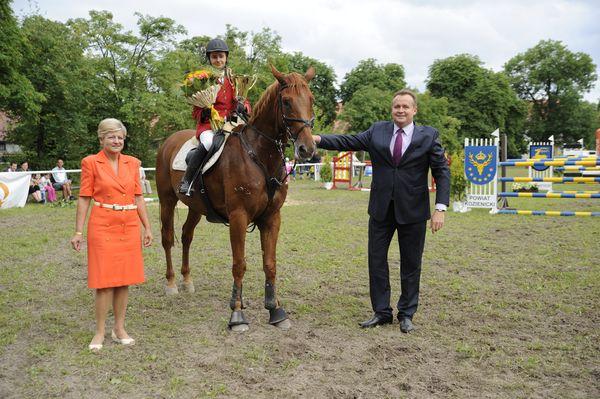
[{"x": 179, "y": 161}]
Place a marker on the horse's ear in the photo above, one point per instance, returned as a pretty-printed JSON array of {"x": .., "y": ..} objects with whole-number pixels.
[
  {"x": 310, "y": 73},
  {"x": 278, "y": 75}
]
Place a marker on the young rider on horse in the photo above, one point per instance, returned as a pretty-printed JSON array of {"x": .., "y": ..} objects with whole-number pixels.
[{"x": 226, "y": 104}]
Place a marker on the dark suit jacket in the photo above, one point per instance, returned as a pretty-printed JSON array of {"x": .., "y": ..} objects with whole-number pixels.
[{"x": 406, "y": 183}]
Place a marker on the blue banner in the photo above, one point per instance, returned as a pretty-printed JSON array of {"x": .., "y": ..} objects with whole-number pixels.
[
  {"x": 540, "y": 152},
  {"x": 480, "y": 163}
]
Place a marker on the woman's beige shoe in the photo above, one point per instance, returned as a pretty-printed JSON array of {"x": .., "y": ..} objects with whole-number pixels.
[
  {"x": 122, "y": 341},
  {"x": 95, "y": 347}
]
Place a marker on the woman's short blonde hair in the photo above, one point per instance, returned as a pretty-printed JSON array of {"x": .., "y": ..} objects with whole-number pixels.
[{"x": 110, "y": 125}]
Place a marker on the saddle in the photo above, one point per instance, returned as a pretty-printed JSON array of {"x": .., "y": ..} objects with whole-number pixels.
[{"x": 183, "y": 156}]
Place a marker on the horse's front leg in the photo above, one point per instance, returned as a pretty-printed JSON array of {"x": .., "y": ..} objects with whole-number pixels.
[
  {"x": 238, "y": 222},
  {"x": 269, "y": 232}
]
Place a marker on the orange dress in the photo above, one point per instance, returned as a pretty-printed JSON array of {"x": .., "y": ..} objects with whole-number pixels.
[{"x": 113, "y": 237}]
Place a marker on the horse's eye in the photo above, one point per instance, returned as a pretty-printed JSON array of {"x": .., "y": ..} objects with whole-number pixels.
[{"x": 287, "y": 103}]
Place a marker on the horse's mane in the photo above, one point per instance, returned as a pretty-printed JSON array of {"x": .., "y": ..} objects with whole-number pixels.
[{"x": 268, "y": 101}]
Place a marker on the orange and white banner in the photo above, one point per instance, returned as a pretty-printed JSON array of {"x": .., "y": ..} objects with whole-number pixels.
[{"x": 14, "y": 188}]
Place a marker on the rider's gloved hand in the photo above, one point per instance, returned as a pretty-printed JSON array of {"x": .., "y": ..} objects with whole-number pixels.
[
  {"x": 240, "y": 108},
  {"x": 205, "y": 115}
]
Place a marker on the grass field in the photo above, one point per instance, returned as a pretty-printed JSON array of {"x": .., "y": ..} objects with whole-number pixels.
[{"x": 509, "y": 309}]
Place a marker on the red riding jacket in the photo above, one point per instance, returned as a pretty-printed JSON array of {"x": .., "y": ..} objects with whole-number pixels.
[{"x": 225, "y": 105}]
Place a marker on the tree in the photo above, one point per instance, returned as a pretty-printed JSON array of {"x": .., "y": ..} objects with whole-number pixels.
[
  {"x": 480, "y": 99},
  {"x": 367, "y": 105},
  {"x": 367, "y": 92},
  {"x": 125, "y": 63},
  {"x": 433, "y": 112},
  {"x": 322, "y": 86},
  {"x": 552, "y": 80},
  {"x": 55, "y": 65},
  {"x": 389, "y": 77},
  {"x": 17, "y": 95}
]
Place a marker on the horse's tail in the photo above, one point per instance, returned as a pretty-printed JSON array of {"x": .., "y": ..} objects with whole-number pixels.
[{"x": 164, "y": 186}]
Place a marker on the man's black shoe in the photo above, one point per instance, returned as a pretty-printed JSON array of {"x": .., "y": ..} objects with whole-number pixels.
[
  {"x": 376, "y": 320},
  {"x": 406, "y": 325}
]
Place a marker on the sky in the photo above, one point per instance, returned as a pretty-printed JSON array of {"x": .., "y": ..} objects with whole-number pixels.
[{"x": 340, "y": 33}]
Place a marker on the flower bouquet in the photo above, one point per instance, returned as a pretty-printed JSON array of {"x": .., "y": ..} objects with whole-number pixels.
[{"x": 200, "y": 88}]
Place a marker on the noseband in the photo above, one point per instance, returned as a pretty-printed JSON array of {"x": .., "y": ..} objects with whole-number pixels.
[{"x": 293, "y": 136}]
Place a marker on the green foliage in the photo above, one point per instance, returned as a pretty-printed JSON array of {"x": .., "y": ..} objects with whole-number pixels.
[
  {"x": 322, "y": 86},
  {"x": 480, "y": 99},
  {"x": 552, "y": 80},
  {"x": 433, "y": 112},
  {"x": 368, "y": 73},
  {"x": 326, "y": 172},
  {"x": 125, "y": 63},
  {"x": 56, "y": 68},
  {"x": 367, "y": 105},
  {"x": 18, "y": 97},
  {"x": 458, "y": 180}
]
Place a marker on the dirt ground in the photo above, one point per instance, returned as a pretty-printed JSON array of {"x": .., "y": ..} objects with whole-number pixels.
[{"x": 503, "y": 314}]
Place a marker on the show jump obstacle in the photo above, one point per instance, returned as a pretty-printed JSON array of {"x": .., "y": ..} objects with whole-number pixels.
[{"x": 482, "y": 164}]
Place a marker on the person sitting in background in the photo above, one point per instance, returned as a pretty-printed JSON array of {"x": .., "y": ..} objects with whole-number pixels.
[
  {"x": 34, "y": 188},
  {"x": 61, "y": 181},
  {"x": 146, "y": 188},
  {"x": 13, "y": 167},
  {"x": 45, "y": 185}
]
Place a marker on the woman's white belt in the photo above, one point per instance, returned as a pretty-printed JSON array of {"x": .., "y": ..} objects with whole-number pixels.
[{"x": 116, "y": 207}]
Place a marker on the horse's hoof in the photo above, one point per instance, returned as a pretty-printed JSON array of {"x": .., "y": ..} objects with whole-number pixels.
[
  {"x": 277, "y": 316},
  {"x": 239, "y": 328},
  {"x": 188, "y": 287},
  {"x": 284, "y": 325},
  {"x": 171, "y": 290},
  {"x": 238, "y": 322}
]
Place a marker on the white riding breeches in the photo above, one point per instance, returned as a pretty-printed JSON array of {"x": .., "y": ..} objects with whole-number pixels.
[{"x": 206, "y": 138}]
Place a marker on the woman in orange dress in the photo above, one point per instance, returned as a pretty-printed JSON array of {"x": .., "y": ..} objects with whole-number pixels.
[{"x": 110, "y": 184}]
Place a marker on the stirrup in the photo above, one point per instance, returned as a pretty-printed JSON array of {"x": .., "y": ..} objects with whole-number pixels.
[{"x": 185, "y": 190}]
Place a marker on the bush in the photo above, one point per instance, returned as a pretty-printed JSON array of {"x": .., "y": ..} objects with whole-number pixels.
[
  {"x": 326, "y": 172},
  {"x": 458, "y": 180}
]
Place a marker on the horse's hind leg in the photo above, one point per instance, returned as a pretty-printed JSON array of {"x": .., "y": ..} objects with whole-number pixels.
[
  {"x": 167, "y": 230},
  {"x": 269, "y": 232},
  {"x": 187, "y": 235}
]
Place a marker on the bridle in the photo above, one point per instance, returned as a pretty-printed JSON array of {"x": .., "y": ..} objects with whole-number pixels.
[{"x": 286, "y": 119}]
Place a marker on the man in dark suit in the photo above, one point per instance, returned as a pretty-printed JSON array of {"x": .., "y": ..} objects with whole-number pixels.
[{"x": 402, "y": 154}]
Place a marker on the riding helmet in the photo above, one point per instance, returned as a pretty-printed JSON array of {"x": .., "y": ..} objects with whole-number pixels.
[{"x": 216, "y": 45}]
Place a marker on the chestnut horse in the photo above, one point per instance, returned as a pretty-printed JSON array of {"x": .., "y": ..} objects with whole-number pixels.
[{"x": 246, "y": 186}]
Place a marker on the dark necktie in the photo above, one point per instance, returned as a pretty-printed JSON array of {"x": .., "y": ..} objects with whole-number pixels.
[{"x": 398, "y": 147}]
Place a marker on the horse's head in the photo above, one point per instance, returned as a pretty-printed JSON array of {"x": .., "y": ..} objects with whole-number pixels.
[{"x": 295, "y": 105}]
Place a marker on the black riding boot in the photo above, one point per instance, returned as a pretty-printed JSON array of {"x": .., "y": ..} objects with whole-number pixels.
[{"x": 194, "y": 162}]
